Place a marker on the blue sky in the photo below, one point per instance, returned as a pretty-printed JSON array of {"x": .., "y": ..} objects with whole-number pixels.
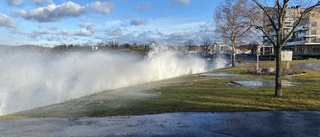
[{"x": 54, "y": 22}]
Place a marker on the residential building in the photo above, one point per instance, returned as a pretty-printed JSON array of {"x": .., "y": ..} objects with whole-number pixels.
[
  {"x": 306, "y": 37},
  {"x": 220, "y": 48}
]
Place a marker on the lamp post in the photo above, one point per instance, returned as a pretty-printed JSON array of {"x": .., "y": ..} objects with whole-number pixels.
[{"x": 258, "y": 54}]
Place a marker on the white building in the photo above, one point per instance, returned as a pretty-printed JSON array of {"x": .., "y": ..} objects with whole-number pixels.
[{"x": 221, "y": 48}]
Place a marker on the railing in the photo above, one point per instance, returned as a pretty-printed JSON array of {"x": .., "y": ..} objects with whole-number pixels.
[
  {"x": 289, "y": 20},
  {"x": 295, "y": 43},
  {"x": 301, "y": 35},
  {"x": 301, "y": 28},
  {"x": 314, "y": 41},
  {"x": 312, "y": 35}
]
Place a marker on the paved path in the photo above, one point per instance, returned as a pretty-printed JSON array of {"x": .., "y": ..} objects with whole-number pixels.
[
  {"x": 310, "y": 66},
  {"x": 220, "y": 124}
]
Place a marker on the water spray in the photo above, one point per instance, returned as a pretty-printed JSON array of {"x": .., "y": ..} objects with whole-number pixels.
[{"x": 31, "y": 79}]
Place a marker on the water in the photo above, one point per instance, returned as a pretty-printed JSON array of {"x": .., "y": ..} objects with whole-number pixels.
[
  {"x": 265, "y": 83},
  {"x": 30, "y": 79},
  {"x": 256, "y": 83},
  {"x": 219, "y": 75}
]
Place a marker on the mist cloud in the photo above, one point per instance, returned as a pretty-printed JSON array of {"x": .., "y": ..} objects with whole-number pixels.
[{"x": 33, "y": 79}]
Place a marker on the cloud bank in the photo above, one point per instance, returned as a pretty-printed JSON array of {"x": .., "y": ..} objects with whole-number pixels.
[
  {"x": 138, "y": 22},
  {"x": 14, "y": 2},
  {"x": 101, "y": 7},
  {"x": 185, "y": 2},
  {"x": 52, "y": 12},
  {"x": 6, "y": 21}
]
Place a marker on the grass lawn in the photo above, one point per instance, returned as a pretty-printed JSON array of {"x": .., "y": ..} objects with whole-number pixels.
[{"x": 192, "y": 93}]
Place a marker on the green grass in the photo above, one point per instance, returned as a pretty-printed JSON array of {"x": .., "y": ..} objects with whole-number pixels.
[{"x": 191, "y": 94}]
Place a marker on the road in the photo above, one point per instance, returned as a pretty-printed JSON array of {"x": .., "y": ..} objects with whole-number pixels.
[{"x": 218, "y": 124}]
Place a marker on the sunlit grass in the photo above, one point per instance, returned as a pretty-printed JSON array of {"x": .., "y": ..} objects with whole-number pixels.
[
  {"x": 192, "y": 93},
  {"x": 11, "y": 117}
]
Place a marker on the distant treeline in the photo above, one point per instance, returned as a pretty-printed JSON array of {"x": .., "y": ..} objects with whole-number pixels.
[
  {"x": 75, "y": 47},
  {"x": 140, "y": 49}
]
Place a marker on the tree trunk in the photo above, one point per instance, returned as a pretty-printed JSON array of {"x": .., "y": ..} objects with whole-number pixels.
[
  {"x": 233, "y": 54},
  {"x": 278, "y": 80},
  {"x": 233, "y": 58}
]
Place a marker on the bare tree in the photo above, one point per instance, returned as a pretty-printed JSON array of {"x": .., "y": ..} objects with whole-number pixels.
[
  {"x": 233, "y": 22},
  {"x": 189, "y": 43},
  {"x": 206, "y": 43},
  {"x": 275, "y": 12}
]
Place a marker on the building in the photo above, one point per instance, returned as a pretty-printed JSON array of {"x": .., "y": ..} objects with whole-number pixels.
[
  {"x": 305, "y": 40},
  {"x": 220, "y": 48}
]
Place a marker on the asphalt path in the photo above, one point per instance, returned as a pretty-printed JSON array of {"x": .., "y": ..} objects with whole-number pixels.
[
  {"x": 310, "y": 66},
  {"x": 218, "y": 124}
]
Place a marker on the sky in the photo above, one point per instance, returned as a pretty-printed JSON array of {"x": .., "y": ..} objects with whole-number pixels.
[{"x": 88, "y": 22}]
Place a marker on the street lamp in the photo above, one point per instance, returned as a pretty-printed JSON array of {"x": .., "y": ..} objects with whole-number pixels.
[{"x": 258, "y": 54}]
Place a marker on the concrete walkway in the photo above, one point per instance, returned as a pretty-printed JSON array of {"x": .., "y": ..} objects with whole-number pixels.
[{"x": 220, "y": 124}]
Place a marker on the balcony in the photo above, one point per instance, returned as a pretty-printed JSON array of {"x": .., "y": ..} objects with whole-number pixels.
[
  {"x": 312, "y": 35},
  {"x": 301, "y": 35},
  {"x": 295, "y": 43},
  {"x": 300, "y": 28},
  {"x": 288, "y": 27},
  {"x": 314, "y": 41},
  {"x": 289, "y": 20}
]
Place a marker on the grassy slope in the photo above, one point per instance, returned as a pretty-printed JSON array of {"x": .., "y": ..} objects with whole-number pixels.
[{"x": 191, "y": 94}]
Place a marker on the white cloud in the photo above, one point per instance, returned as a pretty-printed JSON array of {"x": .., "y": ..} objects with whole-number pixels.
[
  {"x": 180, "y": 37},
  {"x": 6, "y": 21},
  {"x": 65, "y": 33},
  {"x": 138, "y": 21},
  {"x": 39, "y": 33},
  {"x": 88, "y": 26},
  {"x": 116, "y": 32},
  {"x": 181, "y": 34},
  {"x": 41, "y": 2},
  {"x": 83, "y": 32},
  {"x": 185, "y": 2},
  {"x": 143, "y": 6},
  {"x": 14, "y": 2},
  {"x": 52, "y": 28},
  {"x": 101, "y": 7},
  {"x": 52, "y": 12}
]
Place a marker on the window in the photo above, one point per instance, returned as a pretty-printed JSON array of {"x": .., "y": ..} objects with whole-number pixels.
[
  {"x": 313, "y": 15},
  {"x": 314, "y": 24},
  {"x": 313, "y": 32},
  {"x": 313, "y": 39},
  {"x": 289, "y": 30}
]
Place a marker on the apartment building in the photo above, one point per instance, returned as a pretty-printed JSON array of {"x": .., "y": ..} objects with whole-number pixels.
[{"x": 306, "y": 37}]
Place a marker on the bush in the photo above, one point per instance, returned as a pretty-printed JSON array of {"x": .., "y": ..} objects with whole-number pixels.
[{"x": 291, "y": 71}]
